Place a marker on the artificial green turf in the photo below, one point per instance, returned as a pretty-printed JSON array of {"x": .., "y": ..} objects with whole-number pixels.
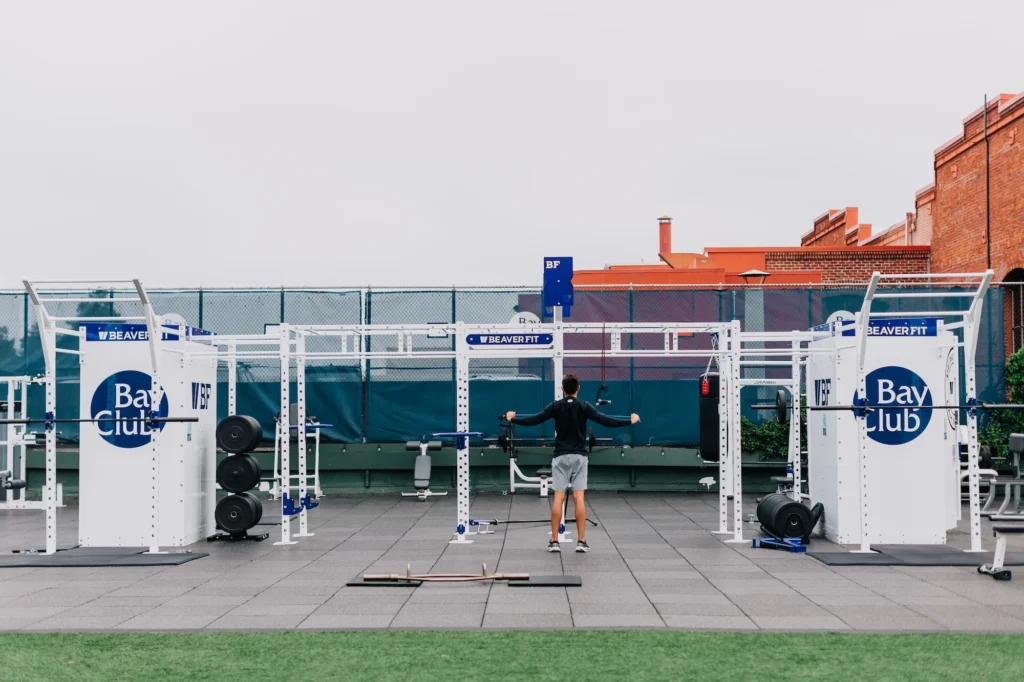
[{"x": 510, "y": 655}]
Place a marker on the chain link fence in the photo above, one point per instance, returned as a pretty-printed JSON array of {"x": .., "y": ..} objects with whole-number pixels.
[{"x": 400, "y": 399}]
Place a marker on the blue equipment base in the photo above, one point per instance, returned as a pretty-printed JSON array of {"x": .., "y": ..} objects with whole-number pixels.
[{"x": 786, "y": 544}]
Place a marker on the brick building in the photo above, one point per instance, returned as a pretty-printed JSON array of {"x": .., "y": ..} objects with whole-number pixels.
[
  {"x": 830, "y": 262},
  {"x": 970, "y": 218}
]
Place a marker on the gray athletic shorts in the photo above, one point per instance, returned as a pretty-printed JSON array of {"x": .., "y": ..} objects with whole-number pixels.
[{"x": 569, "y": 471}]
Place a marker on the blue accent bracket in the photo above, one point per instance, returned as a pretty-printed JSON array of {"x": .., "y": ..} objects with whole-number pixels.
[
  {"x": 48, "y": 419},
  {"x": 152, "y": 416},
  {"x": 561, "y": 528},
  {"x": 972, "y": 406},
  {"x": 288, "y": 507},
  {"x": 460, "y": 529},
  {"x": 461, "y": 437},
  {"x": 309, "y": 502},
  {"x": 558, "y": 289},
  {"x": 860, "y": 406}
]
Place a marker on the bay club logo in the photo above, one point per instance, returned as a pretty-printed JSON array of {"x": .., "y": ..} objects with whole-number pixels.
[
  {"x": 899, "y": 394},
  {"x": 125, "y": 395}
]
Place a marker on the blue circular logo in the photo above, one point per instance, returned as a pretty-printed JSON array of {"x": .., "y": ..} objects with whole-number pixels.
[
  {"x": 125, "y": 395},
  {"x": 899, "y": 394}
]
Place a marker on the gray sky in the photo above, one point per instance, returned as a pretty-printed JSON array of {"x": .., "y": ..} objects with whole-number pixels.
[{"x": 409, "y": 142}]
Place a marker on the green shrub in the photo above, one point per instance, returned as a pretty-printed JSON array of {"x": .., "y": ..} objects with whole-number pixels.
[{"x": 998, "y": 425}]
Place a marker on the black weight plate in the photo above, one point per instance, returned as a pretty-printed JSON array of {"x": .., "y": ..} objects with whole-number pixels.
[
  {"x": 238, "y": 473},
  {"x": 239, "y": 433},
  {"x": 236, "y": 513},
  {"x": 781, "y": 409},
  {"x": 259, "y": 506}
]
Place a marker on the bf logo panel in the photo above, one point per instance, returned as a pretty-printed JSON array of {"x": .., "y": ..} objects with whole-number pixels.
[
  {"x": 899, "y": 393},
  {"x": 125, "y": 395}
]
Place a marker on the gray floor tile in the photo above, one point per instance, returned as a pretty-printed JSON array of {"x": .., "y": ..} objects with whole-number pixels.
[
  {"x": 697, "y": 609},
  {"x": 882, "y": 618},
  {"x": 230, "y": 622},
  {"x": 616, "y": 621},
  {"x": 60, "y": 622},
  {"x": 527, "y": 621},
  {"x": 780, "y": 622},
  {"x": 254, "y": 608},
  {"x": 344, "y": 622},
  {"x": 700, "y": 622}
]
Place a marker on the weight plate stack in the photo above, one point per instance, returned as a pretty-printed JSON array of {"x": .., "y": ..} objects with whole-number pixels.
[{"x": 239, "y": 434}]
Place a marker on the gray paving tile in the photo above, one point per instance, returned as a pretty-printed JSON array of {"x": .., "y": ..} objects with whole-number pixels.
[
  {"x": 230, "y": 622},
  {"x": 781, "y": 622},
  {"x": 254, "y": 608},
  {"x": 697, "y": 609},
  {"x": 190, "y": 599},
  {"x": 617, "y": 621},
  {"x": 147, "y": 622},
  {"x": 974, "y": 618},
  {"x": 527, "y": 621},
  {"x": 93, "y": 610},
  {"x": 469, "y": 616},
  {"x": 850, "y": 600},
  {"x": 319, "y": 621},
  {"x": 61, "y": 622},
  {"x": 882, "y": 618},
  {"x": 709, "y": 622},
  {"x": 358, "y": 608}
]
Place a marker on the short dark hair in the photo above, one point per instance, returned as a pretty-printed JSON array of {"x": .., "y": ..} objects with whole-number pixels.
[{"x": 570, "y": 384}]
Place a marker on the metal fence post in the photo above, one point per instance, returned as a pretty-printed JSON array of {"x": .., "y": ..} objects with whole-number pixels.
[
  {"x": 631, "y": 359},
  {"x": 365, "y": 341},
  {"x": 282, "y": 305},
  {"x": 200, "y": 307},
  {"x": 24, "y": 344}
]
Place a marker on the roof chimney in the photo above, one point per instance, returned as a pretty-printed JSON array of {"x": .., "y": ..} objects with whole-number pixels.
[{"x": 664, "y": 235}]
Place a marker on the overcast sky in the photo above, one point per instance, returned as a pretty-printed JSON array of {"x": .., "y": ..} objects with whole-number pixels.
[{"x": 438, "y": 143}]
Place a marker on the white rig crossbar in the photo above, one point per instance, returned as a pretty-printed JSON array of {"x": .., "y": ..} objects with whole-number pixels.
[{"x": 45, "y": 294}]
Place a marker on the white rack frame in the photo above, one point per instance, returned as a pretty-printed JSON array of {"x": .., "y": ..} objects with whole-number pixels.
[
  {"x": 287, "y": 343},
  {"x": 50, "y": 327},
  {"x": 969, "y": 321}
]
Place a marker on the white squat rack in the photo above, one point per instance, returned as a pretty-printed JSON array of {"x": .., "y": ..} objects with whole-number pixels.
[
  {"x": 969, "y": 322},
  {"x": 45, "y": 295}
]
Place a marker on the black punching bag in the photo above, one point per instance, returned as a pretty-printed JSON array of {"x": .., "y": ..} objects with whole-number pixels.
[{"x": 708, "y": 408}]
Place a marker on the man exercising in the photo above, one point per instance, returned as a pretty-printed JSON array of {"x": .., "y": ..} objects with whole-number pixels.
[{"x": 569, "y": 463}]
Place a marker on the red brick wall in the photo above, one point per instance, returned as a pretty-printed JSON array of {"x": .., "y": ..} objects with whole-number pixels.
[
  {"x": 922, "y": 233},
  {"x": 830, "y": 229},
  {"x": 958, "y": 212},
  {"x": 850, "y": 265}
]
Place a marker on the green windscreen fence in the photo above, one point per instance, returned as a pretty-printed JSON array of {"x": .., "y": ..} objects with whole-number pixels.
[{"x": 395, "y": 400}]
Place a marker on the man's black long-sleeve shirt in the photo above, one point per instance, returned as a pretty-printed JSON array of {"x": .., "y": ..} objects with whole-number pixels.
[{"x": 570, "y": 415}]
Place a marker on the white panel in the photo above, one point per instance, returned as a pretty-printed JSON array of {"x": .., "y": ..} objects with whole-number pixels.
[{"x": 114, "y": 477}]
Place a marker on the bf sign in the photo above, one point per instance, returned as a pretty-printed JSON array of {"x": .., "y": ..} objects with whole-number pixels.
[{"x": 551, "y": 264}]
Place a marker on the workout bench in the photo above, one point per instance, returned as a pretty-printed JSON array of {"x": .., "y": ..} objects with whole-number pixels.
[
  {"x": 1001, "y": 530},
  {"x": 421, "y": 471}
]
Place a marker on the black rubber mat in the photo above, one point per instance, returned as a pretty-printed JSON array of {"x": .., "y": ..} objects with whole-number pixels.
[
  {"x": 548, "y": 581},
  {"x": 97, "y": 557},
  {"x": 914, "y": 555}
]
